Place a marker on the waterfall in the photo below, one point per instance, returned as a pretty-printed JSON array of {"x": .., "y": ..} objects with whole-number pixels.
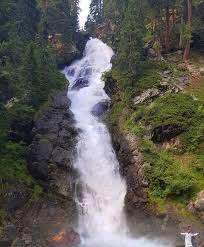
[{"x": 101, "y": 217}]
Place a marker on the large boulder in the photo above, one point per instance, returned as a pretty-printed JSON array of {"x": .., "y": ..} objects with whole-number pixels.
[
  {"x": 100, "y": 108},
  {"x": 39, "y": 170},
  {"x": 80, "y": 83},
  {"x": 166, "y": 132},
  {"x": 147, "y": 95}
]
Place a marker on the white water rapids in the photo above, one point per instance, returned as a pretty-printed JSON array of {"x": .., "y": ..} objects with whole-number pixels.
[{"x": 101, "y": 220}]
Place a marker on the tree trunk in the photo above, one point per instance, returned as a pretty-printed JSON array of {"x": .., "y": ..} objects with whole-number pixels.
[
  {"x": 167, "y": 27},
  {"x": 180, "y": 45},
  {"x": 186, "y": 55},
  {"x": 173, "y": 16}
]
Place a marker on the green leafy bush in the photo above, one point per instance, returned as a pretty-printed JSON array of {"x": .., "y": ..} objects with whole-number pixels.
[
  {"x": 167, "y": 178},
  {"x": 116, "y": 112},
  {"x": 13, "y": 163},
  {"x": 178, "y": 109},
  {"x": 37, "y": 192},
  {"x": 193, "y": 140}
]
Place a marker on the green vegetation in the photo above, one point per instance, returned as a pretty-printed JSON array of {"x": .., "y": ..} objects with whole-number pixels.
[
  {"x": 12, "y": 162},
  {"x": 37, "y": 192},
  {"x": 174, "y": 179},
  {"x": 33, "y": 35},
  {"x": 168, "y": 179},
  {"x": 176, "y": 109}
]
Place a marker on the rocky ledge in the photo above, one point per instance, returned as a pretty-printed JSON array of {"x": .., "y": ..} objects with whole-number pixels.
[{"x": 49, "y": 219}]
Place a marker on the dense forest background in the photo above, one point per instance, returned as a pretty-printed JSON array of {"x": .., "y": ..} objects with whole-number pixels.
[
  {"x": 36, "y": 39},
  {"x": 158, "y": 70}
]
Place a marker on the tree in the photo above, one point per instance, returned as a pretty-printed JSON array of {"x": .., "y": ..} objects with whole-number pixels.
[
  {"x": 26, "y": 19},
  {"x": 59, "y": 20},
  {"x": 130, "y": 50},
  {"x": 96, "y": 15},
  {"x": 186, "y": 55}
]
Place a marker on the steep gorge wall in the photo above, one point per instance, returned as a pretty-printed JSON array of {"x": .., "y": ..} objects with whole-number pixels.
[
  {"x": 143, "y": 214},
  {"x": 40, "y": 221}
]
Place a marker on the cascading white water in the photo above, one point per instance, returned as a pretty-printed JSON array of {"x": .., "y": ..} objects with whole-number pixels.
[{"x": 101, "y": 218}]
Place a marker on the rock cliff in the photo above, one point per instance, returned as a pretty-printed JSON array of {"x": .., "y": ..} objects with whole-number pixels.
[{"x": 45, "y": 218}]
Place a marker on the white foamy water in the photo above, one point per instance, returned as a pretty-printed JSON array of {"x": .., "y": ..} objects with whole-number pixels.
[{"x": 101, "y": 220}]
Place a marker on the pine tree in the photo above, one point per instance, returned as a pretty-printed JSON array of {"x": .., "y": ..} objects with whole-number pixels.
[
  {"x": 26, "y": 19},
  {"x": 132, "y": 35},
  {"x": 95, "y": 16}
]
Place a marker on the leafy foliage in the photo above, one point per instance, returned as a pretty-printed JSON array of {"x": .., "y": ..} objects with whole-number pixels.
[
  {"x": 167, "y": 178},
  {"x": 32, "y": 33}
]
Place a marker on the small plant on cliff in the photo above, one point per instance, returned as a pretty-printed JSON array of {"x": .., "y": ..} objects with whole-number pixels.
[{"x": 37, "y": 192}]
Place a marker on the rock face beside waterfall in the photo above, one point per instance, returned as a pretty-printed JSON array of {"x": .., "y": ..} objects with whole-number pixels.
[
  {"x": 53, "y": 147},
  {"x": 142, "y": 211},
  {"x": 40, "y": 222},
  {"x": 132, "y": 168}
]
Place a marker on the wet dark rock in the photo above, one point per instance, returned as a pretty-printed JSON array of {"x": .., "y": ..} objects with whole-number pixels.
[
  {"x": 61, "y": 156},
  {"x": 131, "y": 167},
  {"x": 113, "y": 59},
  {"x": 54, "y": 139},
  {"x": 165, "y": 132},
  {"x": 44, "y": 149},
  {"x": 100, "y": 108},
  {"x": 71, "y": 71},
  {"x": 39, "y": 170},
  {"x": 86, "y": 71},
  {"x": 80, "y": 83},
  {"x": 111, "y": 88}
]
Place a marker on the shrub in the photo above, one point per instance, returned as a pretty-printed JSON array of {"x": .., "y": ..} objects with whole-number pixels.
[
  {"x": 167, "y": 178},
  {"x": 178, "y": 109},
  {"x": 13, "y": 163},
  {"x": 116, "y": 113},
  {"x": 37, "y": 192},
  {"x": 193, "y": 140}
]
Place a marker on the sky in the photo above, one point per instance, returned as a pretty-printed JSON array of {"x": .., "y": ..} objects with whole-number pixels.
[{"x": 84, "y": 6}]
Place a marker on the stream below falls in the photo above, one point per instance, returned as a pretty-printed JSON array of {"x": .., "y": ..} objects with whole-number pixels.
[{"x": 102, "y": 222}]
